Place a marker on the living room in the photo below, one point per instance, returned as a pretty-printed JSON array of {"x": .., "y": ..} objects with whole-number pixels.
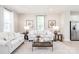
[{"x": 22, "y": 22}]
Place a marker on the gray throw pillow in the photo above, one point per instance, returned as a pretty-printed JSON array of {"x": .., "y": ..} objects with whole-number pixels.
[{"x": 5, "y": 39}]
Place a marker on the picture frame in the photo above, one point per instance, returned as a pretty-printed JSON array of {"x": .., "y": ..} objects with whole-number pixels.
[
  {"x": 51, "y": 23},
  {"x": 29, "y": 23}
]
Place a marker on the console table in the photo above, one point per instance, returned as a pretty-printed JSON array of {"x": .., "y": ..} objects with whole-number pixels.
[{"x": 58, "y": 37}]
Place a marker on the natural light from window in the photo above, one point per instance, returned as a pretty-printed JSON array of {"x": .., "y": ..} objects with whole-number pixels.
[
  {"x": 40, "y": 23},
  {"x": 8, "y": 21}
]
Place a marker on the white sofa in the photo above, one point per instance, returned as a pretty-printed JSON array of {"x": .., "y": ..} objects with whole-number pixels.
[
  {"x": 46, "y": 35},
  {"x": 10, "y": 41}
]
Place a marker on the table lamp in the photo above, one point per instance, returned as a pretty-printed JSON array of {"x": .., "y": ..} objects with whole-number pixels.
[
  {"x": 26, "y": 28},
  {"x": 56, "y": 29},
  {"x": 26, "y": 32}
]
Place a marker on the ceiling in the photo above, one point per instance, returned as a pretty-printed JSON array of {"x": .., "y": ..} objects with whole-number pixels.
[{"x": 25, "y": 9}]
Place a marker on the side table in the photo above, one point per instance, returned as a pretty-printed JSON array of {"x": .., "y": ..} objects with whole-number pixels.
[
  {"x": 26, "y": 36},
  {"x": 60, "y": 37}
]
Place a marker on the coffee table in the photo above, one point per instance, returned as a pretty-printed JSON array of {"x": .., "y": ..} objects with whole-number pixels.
[{"x": 42, "y": 44}]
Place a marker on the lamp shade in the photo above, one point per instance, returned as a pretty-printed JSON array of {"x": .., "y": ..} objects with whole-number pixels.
[
  {"x": 55, "y": 28},
  {"x": 26, "y": 28}
]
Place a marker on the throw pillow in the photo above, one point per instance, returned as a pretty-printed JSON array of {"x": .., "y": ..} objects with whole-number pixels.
[{"x": 5, "y": 39}]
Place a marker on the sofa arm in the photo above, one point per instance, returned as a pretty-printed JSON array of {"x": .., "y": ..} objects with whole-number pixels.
[{"x": 4, "y": 49}]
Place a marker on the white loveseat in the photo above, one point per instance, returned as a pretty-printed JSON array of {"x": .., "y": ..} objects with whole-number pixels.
[
  {"x": 10, "y": 41},
  {"x": 46, "y": 35}
]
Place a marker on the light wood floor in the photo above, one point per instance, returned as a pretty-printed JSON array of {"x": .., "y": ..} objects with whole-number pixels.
[{"x": 71, "y": 47}]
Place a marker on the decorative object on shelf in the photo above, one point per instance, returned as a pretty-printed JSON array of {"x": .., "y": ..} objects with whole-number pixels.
[
  {"x": 51, "y": 23},
  {"x": 29, "y": 23},
  {"x": 38, "y": 37}
]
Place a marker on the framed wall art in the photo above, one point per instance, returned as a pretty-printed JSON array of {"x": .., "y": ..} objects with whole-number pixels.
[{"x": 51, "y": 23}]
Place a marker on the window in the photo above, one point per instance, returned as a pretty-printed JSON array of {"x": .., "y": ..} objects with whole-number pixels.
[
  {"x": 40, "y": 23},
  {"x": 8, "y": 21}
]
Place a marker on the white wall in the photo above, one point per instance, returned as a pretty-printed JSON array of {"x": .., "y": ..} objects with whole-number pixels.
[
  {"x": 1, "y": 18},
  {"x": 24, "y": 17},
  {"x": 65, "y": 25},
  {"x": 16, "y": 22},
  {"x": 62, "y": 20}
]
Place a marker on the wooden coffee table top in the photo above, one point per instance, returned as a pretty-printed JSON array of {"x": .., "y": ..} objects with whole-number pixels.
[{"x": 42, "y": 44}]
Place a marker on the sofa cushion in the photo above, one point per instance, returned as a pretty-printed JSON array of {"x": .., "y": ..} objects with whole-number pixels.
[
  {"x": 17, "y": 35},
  {"x": 11, "y": 36},
  {"x": 2, "y": 42},
  {"x": 46, "y": 35},
  {"x": 14, "y": 41},
  {"x": 3, "y": 36}
]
